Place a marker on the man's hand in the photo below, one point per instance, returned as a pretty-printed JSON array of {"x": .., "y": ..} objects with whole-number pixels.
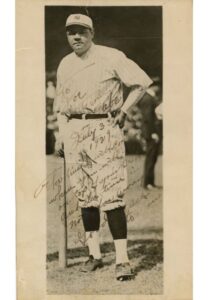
[
  {"x": 59, "y": 148},
  {"x": 119, "y": 119}
]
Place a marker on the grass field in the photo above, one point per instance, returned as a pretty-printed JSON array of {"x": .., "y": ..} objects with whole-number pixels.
[{"x": 145, "y": 240}]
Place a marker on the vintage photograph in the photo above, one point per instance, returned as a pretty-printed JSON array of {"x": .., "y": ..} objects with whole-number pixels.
[{"x": 104, "y": 150}]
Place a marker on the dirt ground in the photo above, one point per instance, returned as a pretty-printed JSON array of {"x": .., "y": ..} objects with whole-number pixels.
[{"x": 145, "y": 240}]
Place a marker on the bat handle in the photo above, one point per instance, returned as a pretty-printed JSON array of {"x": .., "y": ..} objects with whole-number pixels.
[{"x": 63, "y": 224}]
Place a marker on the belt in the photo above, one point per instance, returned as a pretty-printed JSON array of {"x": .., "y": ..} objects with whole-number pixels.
[{"x": 91, "y": 116}]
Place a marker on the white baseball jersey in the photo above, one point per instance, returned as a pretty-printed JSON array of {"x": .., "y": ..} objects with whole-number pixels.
[{"x": 93, "y": 83}]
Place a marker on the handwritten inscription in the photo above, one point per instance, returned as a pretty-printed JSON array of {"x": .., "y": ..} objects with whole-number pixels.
[
  {"x": 103, "y": 96},
  {"x": 54, "y": 181},
  {"x": 95, "y": 157},
  {"x": 51, "y": 180}
]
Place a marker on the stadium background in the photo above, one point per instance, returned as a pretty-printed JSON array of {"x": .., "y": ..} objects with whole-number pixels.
[{"x": 137, "y": 31}]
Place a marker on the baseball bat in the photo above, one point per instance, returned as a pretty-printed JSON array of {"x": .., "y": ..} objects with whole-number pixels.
[{"x": 63, "y": 223}]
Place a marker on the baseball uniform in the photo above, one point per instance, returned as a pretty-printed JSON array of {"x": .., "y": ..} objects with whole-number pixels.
[{"x": 92, "y": 84}]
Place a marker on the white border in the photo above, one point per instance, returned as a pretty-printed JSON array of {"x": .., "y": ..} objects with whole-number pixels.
[{"x": 200, "y": 150}]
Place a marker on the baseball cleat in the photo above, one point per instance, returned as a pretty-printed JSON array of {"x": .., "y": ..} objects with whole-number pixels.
[
  {"x": 91, "y": 264},
  {"x": 124, "y": 272}
]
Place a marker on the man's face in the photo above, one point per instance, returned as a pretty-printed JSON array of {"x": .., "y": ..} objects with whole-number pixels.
[{"x": 79, "y": 38}]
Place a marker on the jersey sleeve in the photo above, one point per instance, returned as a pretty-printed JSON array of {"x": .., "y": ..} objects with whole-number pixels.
[
  {"x": 58, "y": 95},
  {"x": 130, "y": 73}
]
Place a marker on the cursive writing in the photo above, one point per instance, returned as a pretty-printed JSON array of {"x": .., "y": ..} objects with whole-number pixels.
[{"x": 46, "y": 182}]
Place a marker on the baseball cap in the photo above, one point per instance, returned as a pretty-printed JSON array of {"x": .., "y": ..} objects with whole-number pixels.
[{"x": 79, "y": 19}]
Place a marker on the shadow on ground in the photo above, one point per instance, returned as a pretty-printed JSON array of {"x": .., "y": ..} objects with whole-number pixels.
[{"x": 149, "y": 252}]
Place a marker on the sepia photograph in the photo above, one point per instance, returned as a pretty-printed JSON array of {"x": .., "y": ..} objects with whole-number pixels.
[{"x": 104, "y": 150}]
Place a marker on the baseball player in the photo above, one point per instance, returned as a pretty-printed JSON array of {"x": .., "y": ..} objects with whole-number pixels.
[
  {"x": 152, "y": 132},
  {"x": 91, "y": 112}
]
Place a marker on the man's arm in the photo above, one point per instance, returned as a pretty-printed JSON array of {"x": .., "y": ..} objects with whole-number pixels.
[
  {"x": 59, "y": 146},
  {"x": 135, "y": 95},
  {"x": 133, "y": 77}
]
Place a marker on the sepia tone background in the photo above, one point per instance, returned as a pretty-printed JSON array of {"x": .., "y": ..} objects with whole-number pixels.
[{"x": 31, "y": 171}]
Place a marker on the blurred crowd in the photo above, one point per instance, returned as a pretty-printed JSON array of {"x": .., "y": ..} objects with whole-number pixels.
[{"x": 143, "y": 119}]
